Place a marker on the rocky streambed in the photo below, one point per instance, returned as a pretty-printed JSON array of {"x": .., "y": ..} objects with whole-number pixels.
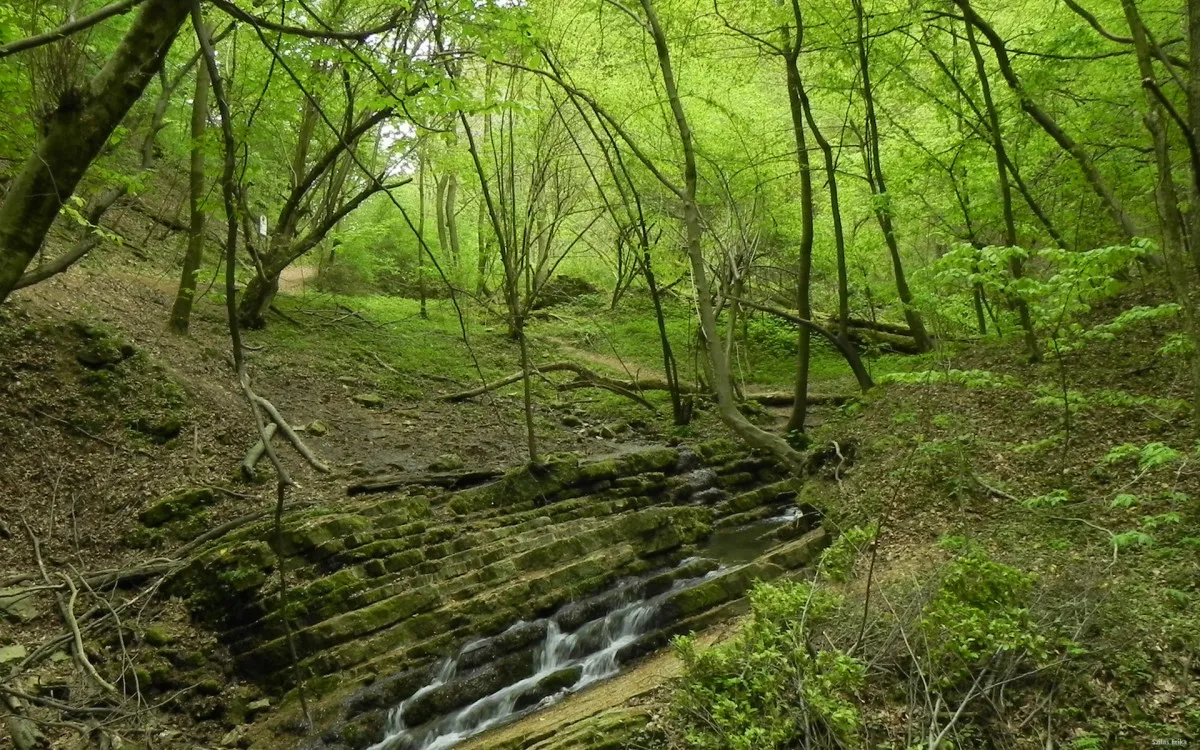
[{"x": 421, "y": 617}]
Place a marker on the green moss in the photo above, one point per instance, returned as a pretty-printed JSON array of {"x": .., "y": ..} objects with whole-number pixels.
[
  {"x": 317, "y": 533},
  {"x": 160, "y": 427},
  {"x": 177, "y": 506},
  {"x": 158, "y": 636},
  {"x": 800, "y": 552},
  {"x": 718, "y": 590},
  {"x": 141, "y": 537},
  {"x": 219, "y": 583},
  {"x": 524, "y": 485},
  {"x": 99, "y": 346}
]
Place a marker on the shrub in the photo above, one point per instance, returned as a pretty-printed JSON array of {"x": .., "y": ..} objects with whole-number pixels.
[
  {"x": 767, "y": 687},
  {"x": 979, "y": 612}
]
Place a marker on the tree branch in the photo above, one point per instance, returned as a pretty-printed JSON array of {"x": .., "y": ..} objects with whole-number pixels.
[
  {"x": 69, "y": 28},
  {"x": 258, "y": 22}
]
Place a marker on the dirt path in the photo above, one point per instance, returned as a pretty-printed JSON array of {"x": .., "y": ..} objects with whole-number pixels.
[
  {"x": 629, "y": 368},
  {"x": 295, "y": 279}
]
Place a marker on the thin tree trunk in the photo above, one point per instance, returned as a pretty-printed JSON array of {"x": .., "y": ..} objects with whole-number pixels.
[
  {"x": 530, "y": 434},
  {"x": 76, "y": 135},
  {"x": 804, "y": 262},
  {"x": 439, "y": 211},
  {"x": 1193, "y": 97},
  {"x": 1010, "y": 222},
  {"x": 883, "y": 212},
  {"x": 451, "y": 212},
  {"x": 865, "y": 382},
  {"x": 482, "y": 249},
  {"x": 681, "y": 413},
  {"x": 421, "y": 235},
  {"x": 181, "y": 312}
]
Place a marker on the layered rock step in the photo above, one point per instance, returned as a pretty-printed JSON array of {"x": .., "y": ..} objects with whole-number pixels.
[{"x": 385, "y": 590}]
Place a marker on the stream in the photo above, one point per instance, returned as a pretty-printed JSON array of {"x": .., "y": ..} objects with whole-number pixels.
[{"x": 581, "y": 657}]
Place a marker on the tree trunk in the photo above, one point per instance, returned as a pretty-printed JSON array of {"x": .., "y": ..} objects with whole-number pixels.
[
  {"x": 76, "y": 134},
  {"x": 680, "y": 410},
  {"x": 842, "y": 338},
  {"x": 1048, "y": 124},
  {"x": 879, "y": 191},
  {"x": 421, "y": 236},
  {"x": 451, "y": 212},
  {"x": 694, "y": 230},
  {"x": 256, "y": 300},
  {"x": 439, "y": 212},
  {"x": 1167, "y": 196},
  {"x": 1193, "y": 98},
  {"x": 483, "y": 248},
  {"x": 804, "y": 263},
  {"x": 181, "y": 312},
  {"x": 530, "y": 434},
  {"x": 1010, "y": 222}
]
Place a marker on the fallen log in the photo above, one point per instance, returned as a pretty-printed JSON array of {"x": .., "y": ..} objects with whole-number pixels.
[
  {"x": 451, "y": 480},
  {"x": 890, "y": 342},
  {"x": 896, "y": 329},
  {"x": 786, "y": 398},
  {"x": 586, "y": 378}
]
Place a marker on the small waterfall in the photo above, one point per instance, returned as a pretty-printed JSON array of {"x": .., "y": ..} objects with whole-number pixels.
[
  {"x": 593, "y": 649},
  {"x": 443, "y": 673}
]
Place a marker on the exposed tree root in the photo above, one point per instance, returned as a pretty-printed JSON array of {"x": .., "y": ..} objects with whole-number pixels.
[{"x": 289, "y": 433}]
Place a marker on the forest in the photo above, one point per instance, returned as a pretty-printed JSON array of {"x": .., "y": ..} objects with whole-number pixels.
[{"x": 597, "y": 374}]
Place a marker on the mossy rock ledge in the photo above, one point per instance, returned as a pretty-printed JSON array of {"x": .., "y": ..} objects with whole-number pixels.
[{"x": 383, "y": 588}]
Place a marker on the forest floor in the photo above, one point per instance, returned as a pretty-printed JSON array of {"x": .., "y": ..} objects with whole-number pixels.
[{"x": 1080, "y": 469}]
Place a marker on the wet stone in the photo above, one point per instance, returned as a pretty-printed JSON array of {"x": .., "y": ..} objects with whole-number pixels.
[
  {"x": 551, "y": 684},
  {"x": 470, "y": 688},
  {"x": 521, "y": 635},
  {"x": 711, "y": 496}
]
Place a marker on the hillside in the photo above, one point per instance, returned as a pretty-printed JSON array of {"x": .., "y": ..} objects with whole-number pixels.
[{"x": 957, "y": 453}]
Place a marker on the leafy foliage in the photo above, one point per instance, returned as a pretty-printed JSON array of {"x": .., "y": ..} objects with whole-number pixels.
[{"x": 767, "y": 686}]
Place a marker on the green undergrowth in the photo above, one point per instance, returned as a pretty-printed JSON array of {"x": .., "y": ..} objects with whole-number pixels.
[
  {"x": 765, "y": 353},
  {"x": 385, "y": 339},
  {"x": 1037, "y": 569}
]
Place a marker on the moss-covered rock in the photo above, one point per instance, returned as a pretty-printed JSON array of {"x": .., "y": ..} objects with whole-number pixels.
[
  {"x": 219, "y": 583},
  {"x": 520, "y": 636},
  {"x": 100, "y": 347},
  {"x": 313, "y": 535},
  {"x": 158, "y": 635},
  {"x": 177, "y": 506},
  {"x": 369, "y": 400},
  {"x": 551, "y": 684},
  {"x": 466, "y": 690},
  {"x": 714, "y": 591},
  {"x": 800, "y": 552},
  {"x": 527, "y": 484},
  {"x": 160, "y": 426}
]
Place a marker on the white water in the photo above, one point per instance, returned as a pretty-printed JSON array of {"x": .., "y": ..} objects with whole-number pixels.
[{"x": 593, "y": 648}]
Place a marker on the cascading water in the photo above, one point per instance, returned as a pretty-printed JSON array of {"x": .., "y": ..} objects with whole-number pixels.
[
  {"x": 590, "y": 653},
  {"x": 593, "y": 649}
]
